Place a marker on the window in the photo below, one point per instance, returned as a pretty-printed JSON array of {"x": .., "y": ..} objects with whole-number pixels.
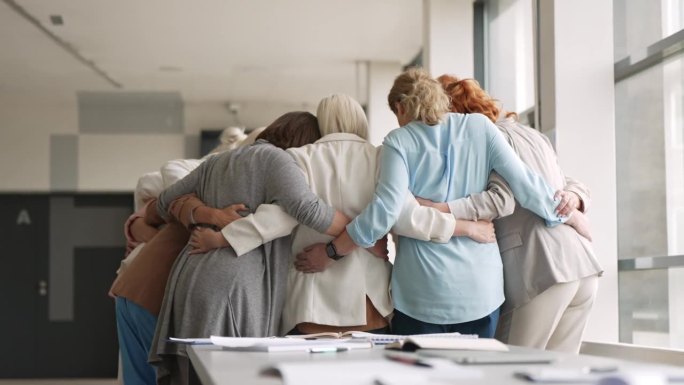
[
  {"x": 509, "y": 53},
  {"x": 649, "y": 102}
]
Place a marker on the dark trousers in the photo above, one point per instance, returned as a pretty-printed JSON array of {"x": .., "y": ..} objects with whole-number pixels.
[{"x": 484, "y": 327}]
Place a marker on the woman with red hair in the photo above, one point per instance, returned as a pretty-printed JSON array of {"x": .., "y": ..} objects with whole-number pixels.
[{"x": 550, "y": 273}]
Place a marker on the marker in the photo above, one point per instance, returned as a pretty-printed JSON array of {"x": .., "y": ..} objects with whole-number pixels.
[
  {"x": 328, "y": 349},
  {"x": 408, "y": 361}
]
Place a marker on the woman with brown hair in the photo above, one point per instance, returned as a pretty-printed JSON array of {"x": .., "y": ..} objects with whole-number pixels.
[
  {"x": 216, "y": 293},
  {"x": 550, "y": 273}
]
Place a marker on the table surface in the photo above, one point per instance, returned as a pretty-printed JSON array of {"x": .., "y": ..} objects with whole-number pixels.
[{"x": 215, "y": 366}]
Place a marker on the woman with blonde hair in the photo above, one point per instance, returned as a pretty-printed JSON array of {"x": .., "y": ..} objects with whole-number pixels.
[
  {"x": 550, "y": 273},
  {"x": 456, "y": 286}
]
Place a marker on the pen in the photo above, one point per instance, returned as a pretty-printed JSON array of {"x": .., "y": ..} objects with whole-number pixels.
[
  {"x": 328, "y": 349},
  {"x": 408, "y": 360},
  {"x": 600, "y": 369}
]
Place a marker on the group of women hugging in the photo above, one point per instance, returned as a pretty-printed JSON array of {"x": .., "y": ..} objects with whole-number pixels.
[{"x": 287, "y": 233}]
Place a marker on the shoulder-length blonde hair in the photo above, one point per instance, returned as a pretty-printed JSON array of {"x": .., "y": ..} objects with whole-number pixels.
[
  {"x": 341, "y": 113},
  {"x": 421, "y": 96},
  {"x": 468, "y": 97}
]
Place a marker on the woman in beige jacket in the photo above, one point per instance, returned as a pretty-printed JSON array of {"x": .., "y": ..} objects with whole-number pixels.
[{"x": 550, "y": 273}]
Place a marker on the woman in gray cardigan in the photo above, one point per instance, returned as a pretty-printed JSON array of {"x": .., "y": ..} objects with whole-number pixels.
[
  {"x": 550, "y": 273},
  {"x": 216, "y": 293}
]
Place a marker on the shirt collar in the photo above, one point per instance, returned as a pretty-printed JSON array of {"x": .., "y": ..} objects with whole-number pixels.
[{"x": 341, "y": 136}]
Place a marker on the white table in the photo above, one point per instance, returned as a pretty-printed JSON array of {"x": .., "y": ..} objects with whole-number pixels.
[{"x": 218, "y": 367}]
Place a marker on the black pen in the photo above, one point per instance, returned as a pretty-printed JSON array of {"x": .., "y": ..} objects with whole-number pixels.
[{"x": 408, "y": 360}]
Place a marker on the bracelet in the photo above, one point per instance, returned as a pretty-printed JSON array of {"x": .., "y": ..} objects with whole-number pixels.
[{"x": 192, "y": 217}]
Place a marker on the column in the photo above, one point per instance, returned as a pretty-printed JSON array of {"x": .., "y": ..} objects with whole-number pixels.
[
  {"x": 448, "y": 37},
  {"x": 577, "y": 101},
  {"x": 381, "y": 119}
]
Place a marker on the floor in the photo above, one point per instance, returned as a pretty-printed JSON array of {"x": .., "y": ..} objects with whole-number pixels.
[{"x": 80, "y": 381}]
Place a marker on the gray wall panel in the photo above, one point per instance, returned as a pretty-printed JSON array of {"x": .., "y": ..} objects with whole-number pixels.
[
  {"x": 192, "y": 146},
  {"x": 63, "y": 162},
  {"x": 130, "y": 112},
  {"x": 72, "y": 226}
]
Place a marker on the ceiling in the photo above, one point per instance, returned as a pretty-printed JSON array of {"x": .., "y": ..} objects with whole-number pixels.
[{"x": 293, "y": 51}]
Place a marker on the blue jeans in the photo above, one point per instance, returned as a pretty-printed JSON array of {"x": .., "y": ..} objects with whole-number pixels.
[
  {"x": 135, "y": 326},
  {"x": 483, "y": 327}
]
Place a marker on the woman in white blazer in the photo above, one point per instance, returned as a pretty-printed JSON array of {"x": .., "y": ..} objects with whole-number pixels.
[
  {"x": 349, "y": 293},
  {"x": 550, "y": 273}
]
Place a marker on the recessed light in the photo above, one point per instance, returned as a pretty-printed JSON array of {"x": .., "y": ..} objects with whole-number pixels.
[{"x": 56, "y": 20}]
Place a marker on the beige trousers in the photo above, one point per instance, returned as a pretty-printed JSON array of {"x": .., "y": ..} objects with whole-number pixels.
[{"x": 553, "y": 320}]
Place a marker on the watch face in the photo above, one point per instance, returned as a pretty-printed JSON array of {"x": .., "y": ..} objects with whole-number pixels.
[{"x": 330, "y": 250}]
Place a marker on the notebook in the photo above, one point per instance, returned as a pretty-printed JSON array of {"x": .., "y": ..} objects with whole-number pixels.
[
  {"x": 378, "y": 339},
  {"x": 415, "y": 342}
]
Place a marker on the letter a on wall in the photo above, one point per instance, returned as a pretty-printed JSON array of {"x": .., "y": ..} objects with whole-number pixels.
[{"x": 23, "y": 218}]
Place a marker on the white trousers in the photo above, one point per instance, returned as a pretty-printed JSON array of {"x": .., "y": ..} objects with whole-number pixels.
[{"x": 553, "y": 320}]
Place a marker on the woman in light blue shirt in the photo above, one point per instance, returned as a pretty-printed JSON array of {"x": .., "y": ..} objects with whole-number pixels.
[{"x": 441, "y": 156}]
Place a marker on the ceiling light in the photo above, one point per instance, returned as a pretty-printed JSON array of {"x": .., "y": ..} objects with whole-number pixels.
[{"x": 56, "y": 20}]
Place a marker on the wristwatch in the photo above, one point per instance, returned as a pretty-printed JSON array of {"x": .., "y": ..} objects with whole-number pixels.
[{"x": 332, "y": 251}]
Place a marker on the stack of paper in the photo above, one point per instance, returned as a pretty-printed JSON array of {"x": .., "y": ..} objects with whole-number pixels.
[
  {"x": 378, "y": 339},
  {"x": 275, "y": 344}
]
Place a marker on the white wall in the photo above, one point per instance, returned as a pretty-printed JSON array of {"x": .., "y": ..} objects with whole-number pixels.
[
  {"x": 114, "y": 162},
  {"x": 25, "y": 129},
  {"x": 448, "y": 37}
]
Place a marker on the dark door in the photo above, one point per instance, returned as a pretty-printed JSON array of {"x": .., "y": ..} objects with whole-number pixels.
[
  {"x": 61, "y": 254},
  {"x": 23, "y": 280}
]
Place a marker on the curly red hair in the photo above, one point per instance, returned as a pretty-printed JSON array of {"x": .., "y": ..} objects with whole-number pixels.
[{"x": 468, "y": 97}]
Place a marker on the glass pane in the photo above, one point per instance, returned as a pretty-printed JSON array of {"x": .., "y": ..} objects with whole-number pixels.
[
  {"x": 673, "y": 106},
  {"x": 652, "y": 307},
  {"x": 510, "y": 53},
  {"x": 650, "y": 192},
  {"x": 650, "y": 161},
  {"x": 641, "y": 23}
]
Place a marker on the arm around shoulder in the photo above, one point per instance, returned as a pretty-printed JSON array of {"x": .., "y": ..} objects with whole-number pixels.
[
  {"x": 424, "y": 223},
  {"x": 266, "y": 224},
  {"x": 495, "y": 202}
]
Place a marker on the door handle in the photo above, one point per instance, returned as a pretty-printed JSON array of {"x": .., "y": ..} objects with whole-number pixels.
[{"x": 42, "y": 288}]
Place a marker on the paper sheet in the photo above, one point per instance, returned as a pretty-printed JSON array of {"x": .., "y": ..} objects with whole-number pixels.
[
  {"x": 371, "y": 373},
  {"x": 274, "y": 344}
]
